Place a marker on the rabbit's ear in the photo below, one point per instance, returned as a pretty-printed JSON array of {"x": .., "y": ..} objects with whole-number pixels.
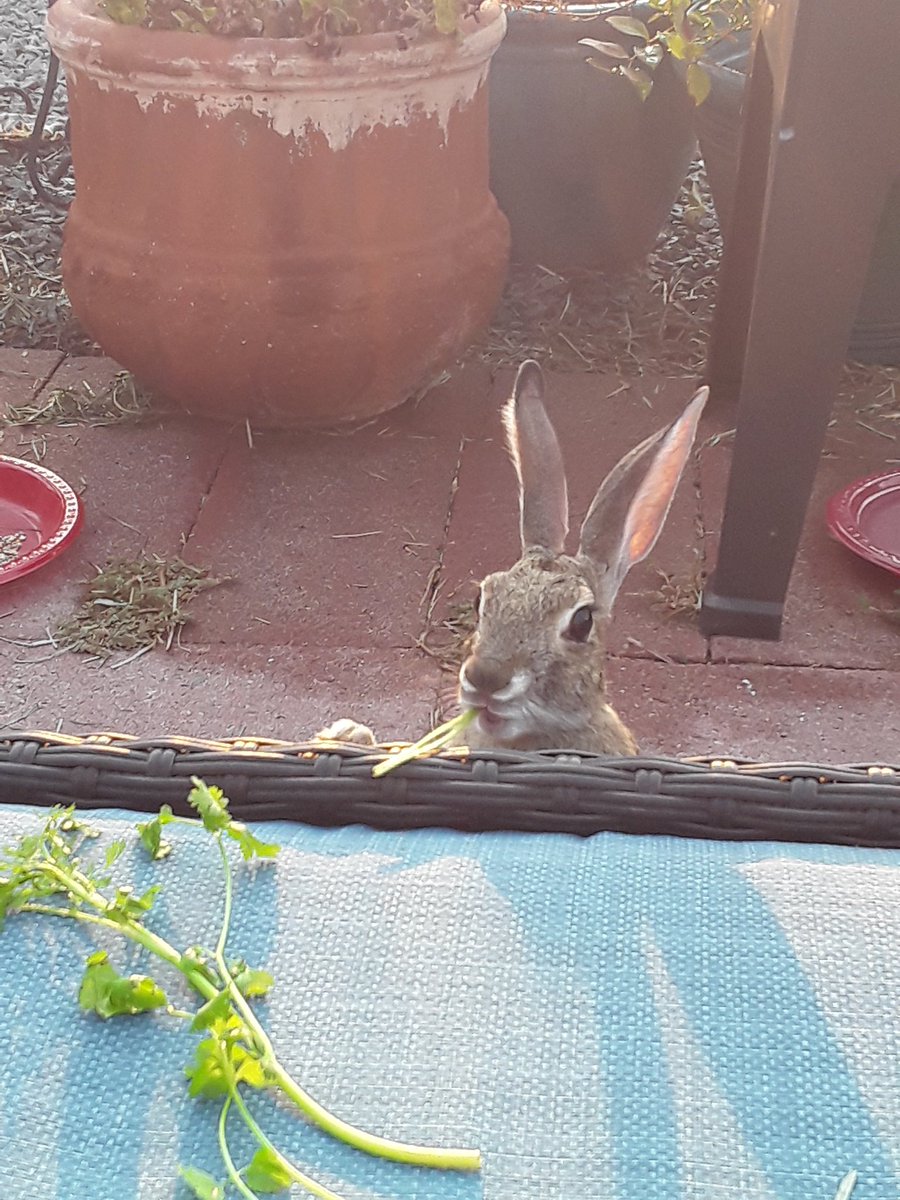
[
  {"x": 630, "y": 509},
  {"x": 543, "y": 501}
]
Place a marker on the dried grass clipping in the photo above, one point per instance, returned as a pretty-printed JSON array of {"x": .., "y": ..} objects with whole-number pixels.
[
  {"x": 134, "y": 604},
  {"x": 122, "y": 401}
]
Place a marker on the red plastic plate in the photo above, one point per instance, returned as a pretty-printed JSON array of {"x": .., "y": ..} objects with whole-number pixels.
[
  {"x": 865, "y": 516},
  {"x": 39, "y": 516}
]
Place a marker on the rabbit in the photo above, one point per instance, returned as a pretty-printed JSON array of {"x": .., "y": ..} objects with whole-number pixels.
[
  {"x": 534, "y": 674},
  {"x": 535, "y": 670}
]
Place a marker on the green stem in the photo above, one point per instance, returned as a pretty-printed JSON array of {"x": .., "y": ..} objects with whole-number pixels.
[
  {"x": 452, "y": 1159},
  {"x": 82, "y": 889},
  {"x": 222, "y": 939},
  {"x": 135, "y": 933},
  {"x": 316, "y": 1189},
  {"x": 232, "y": 1170},
  {"x": 180, "y": 1013},
  {"x": 263, "y": 1045},
  {"x": 75, "y": 914}
]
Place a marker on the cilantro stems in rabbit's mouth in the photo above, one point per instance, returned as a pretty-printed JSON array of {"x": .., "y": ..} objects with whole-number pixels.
[{"x": 493, "y": 722}]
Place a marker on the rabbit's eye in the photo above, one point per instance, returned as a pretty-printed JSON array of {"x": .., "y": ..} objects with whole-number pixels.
[{"x": 581, "y": 624}]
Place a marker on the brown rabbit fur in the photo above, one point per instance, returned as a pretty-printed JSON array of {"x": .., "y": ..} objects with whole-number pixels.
[{"x": 535, "y": 673}]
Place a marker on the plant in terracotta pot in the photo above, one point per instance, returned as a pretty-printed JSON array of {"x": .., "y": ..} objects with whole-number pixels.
[
  {"x": 711, "y": 41},
  {"x": 586, "y": 172},
  {"x": 282, "y": 209}
]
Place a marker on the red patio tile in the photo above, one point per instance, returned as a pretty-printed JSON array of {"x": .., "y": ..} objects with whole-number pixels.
[
  {"x": 331, "y": 539},
  {"x": 765, "y": 713},
  {"x": 22, "y": 375},
  {"x": 92, "y": 371},
  {"x": 220, "y": 691},
  {"x": 753, "y": 711},
  {"x": 459, "y": 406},
  {"x": 597, "y": 422},
  {"x": 827, "y": 618},
  {"x": 142, "y": 487},
  {"x": 275, "y": 518}
]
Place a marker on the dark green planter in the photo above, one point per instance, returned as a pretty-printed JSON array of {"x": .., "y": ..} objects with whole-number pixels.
[
  {"x": 585, "y": 172},
  {"x": 876, "y": 334}
]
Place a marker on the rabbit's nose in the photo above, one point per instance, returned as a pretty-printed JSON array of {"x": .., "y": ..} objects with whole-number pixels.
[{"x": 486, "y": 675}]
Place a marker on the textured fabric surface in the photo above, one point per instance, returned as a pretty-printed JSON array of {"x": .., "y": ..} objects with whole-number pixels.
[{"x": 617, "y": 1018}]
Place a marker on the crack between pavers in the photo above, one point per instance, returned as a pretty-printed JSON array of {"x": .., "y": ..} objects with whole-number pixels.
[
  {"x": 41, "y": 381},
  {"x": 648, "y": 655},
  {"x": 205, "y": 494},
  {"x": 673, "y": 661},
  {"x": 701, "y": 531},
  {"x": 63, "y": 358},
  {"x": 434, "y": 583},
  {"x": 806, "y": 666}
]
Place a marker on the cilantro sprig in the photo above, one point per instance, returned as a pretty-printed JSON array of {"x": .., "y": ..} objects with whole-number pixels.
[
  {"x": 48, "y": 874},
  {"x": 432, "y": 743}
]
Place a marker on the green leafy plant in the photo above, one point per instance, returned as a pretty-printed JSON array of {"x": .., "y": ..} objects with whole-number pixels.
[
  {"x": 48, "y": 874},
  {"x": 317, "y": 21},
  {"x": 684, "y": 29}
]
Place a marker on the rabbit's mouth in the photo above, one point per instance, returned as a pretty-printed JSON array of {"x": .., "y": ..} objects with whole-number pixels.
[
  {"x": 501, "y": 711},
  {"x": 492, "y": 713},
  {"x": 496, "y": 723},
  {"x": 491, "y": 721}
]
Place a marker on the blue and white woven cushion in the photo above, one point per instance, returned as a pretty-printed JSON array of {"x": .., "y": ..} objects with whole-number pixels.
[{"x": 616, "y": 1018}]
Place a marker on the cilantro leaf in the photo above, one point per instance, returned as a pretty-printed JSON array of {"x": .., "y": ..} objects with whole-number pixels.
[
  {"x": 138, "y": 993},
  {"x": 253, "y": 982},
  {"x": 28, "y": 846},
  {"x": 211, "y": 805},
  {"x": 266, "y": 1172},
  {"x": 202, "y": 1185},
  {"x": 107, "y": 993},
  {"x": 7, "y": 896},
  {"x": 205, "y": 1073},
  {"x": 212, "y": 1011},
  {"x": 249, "y": 844},
  {"x": 249, "y": 1069},
  {"x": 114, "y": 851},
  {"x": 127, "y": 908},
  {"x": 150, "y": 833}
]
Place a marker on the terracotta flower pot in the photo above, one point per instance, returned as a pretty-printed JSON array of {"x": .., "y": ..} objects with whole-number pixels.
[
  {"x": 262, "y": 232},
  {"x": 586, "y": 172}
]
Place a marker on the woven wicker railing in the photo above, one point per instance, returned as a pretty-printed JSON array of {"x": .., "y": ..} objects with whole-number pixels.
[{"x": 332, "y": 784}]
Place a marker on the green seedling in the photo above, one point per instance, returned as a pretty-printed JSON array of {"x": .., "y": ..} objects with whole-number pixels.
[{"x": 47, "y": 874}]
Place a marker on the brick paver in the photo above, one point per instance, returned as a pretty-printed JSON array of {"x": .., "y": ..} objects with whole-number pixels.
[{"x": 336, "y": 542}]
